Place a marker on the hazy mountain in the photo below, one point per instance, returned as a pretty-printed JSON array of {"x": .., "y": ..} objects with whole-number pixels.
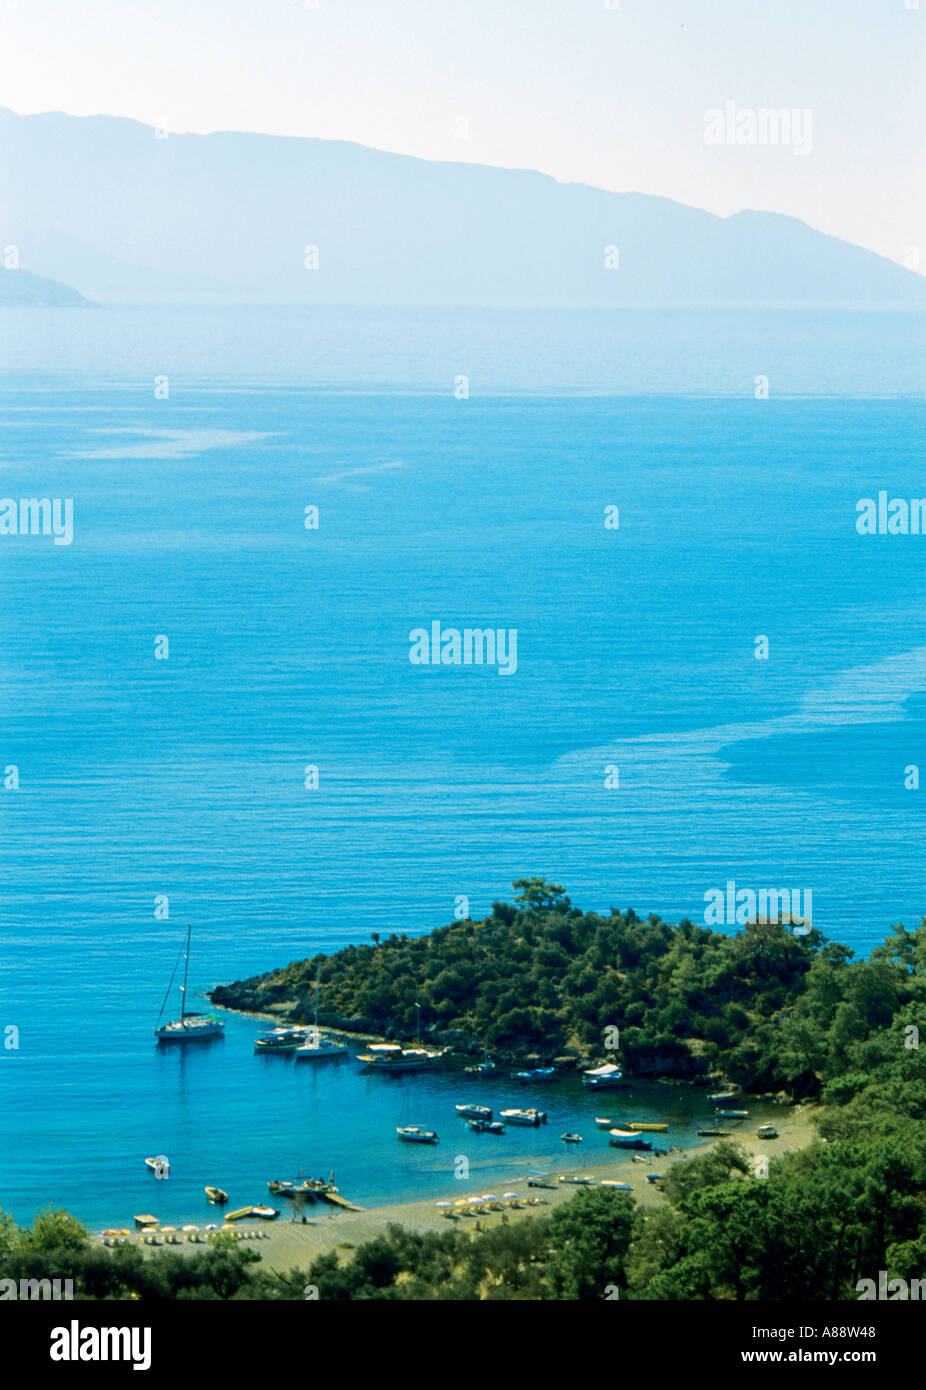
[
  {"x": 228, "y": 215},
  {"x": 22, "y": 288}
]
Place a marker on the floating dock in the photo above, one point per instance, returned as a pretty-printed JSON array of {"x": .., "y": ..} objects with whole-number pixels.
[{"x": 337, "y": 1200}]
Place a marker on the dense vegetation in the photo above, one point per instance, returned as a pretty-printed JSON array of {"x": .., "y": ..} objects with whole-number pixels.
[{"x": 770, "y": 1009}]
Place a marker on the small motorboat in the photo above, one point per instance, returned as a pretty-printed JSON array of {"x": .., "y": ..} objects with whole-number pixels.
[
  {"x": 603, "y": 1077},
  {"x": 216, "y": 1196},
  {"x": 654, "y": 1177},
  {"x": 577, "y": 1180},
  {"x": 714, "y": 1133},
  {"x": 281, "y": 1040},
  {"x": 628, "y": 1139},
  {"x": 474, "y": 1112},
  {"x": 647, "y": 1126},
  {"x": 392, "y": 1057},
  {"x": 638, "y": 1158},
  {"x": 265, "y": 1213},
  {"x": 483, "y": 1068},
  {"x": 414, "y": 1134},
  {"x": 721, "y": 1096},
  {"x": 525, "y": 1117},
  {"x": 308, "y": 1187},
  {"x": 534, "y": 1074},
  {"x": 766, "y": 1132},
  {"x": 616, "y": 1186},
  {"x": 537, "y": 1179},
  {"x": 571, "y": 1138},
  {"x": 487, "y": 1126},
  {"x": 732, "y": 1114},
  {"x": 604, "y": 1123}
]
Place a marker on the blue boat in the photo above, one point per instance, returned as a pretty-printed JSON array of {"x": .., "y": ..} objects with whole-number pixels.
[{"x": 534, "y": 1074}]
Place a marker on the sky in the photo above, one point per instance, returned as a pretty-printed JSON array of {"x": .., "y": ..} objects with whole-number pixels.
[{"x": 609, "y": 92}]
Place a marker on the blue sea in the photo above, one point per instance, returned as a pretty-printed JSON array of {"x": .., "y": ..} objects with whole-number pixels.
[{"x": 289, "y": 648}]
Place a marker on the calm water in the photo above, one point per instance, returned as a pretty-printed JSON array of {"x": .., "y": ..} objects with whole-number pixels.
[{"x": 290, "y": 647}]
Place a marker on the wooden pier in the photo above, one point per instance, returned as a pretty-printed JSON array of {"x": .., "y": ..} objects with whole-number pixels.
[{"x": 337, "y": 1200}]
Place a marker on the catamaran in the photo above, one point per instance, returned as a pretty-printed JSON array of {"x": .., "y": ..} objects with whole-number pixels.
[
  {"x": 316, "y": 1048},
  {"x": 189, "y": 1027}
]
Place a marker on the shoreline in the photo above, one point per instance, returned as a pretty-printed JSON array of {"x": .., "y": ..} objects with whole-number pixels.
[{"x": 287, "y": 1244}]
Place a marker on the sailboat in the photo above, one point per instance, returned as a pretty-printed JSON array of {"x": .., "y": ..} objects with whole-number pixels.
[
  {"x": 189, "y": 1027},
  {"x": 316, "y": 1048}
]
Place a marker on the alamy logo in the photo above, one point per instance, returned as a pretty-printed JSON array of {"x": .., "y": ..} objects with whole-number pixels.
[
  {"x": 76, "y": 1343},
  {"x": 747, "y": 125},
  {"x": 28, "y": 1290},
  {"x": 473, "y": 646},
  {"x": 38, "y": 516},
  {"x": 895, "y": 518},
  {"x": 738, "y": 906},
  {"x": 895, "y": 1290}
]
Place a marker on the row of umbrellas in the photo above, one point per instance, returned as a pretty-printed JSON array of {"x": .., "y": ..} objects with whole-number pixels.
[{"x": 478, "y": 1201}]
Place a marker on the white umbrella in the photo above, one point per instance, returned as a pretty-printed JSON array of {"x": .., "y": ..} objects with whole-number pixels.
[{"x": 443, "y": 1204}]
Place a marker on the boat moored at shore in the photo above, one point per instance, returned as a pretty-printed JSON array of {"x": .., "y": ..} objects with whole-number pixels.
[
  {"x": 603, "y": 1078},
  {"x": 628, "y": 1139},
  {"x": 280, "y": 1040},
  {"x": 392, "y": 1057}
]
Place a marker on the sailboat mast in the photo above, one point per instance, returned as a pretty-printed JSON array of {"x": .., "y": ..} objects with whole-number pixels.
[
  {"x": 318, "y": 985},
  {"x": 186, "y": 966}
]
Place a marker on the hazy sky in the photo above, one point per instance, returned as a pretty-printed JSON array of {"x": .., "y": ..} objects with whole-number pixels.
[{"x": 611, "y": 96}]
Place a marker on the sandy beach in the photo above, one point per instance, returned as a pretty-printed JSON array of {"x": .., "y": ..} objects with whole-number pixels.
[{"x": 288, "y": 1244}]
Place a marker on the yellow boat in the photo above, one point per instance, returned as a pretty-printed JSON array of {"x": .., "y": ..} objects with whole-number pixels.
[
  {"x": 647, "y": 1127},
  {"x": 238, "y": 1215},
  {"x": 216, "y": 1196}
]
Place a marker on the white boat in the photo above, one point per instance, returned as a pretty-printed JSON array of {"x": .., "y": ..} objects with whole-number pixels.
[
  {"x": 524, "y": 1117},
  {"x": 474, "y": 1112},
  {"x": 413, "y": 1134},
  {"x": 281, "y": 1040},
  {"x": 392, "y": 1057},
  {"x": 628, "y": 1139},
  {"x": 766, "y": 1132},
  {"x": 578, "y": 1180},
  {"x": 603, "y": 1123},
  {"x": 617, "y": 1186},
  {"x": 603, "y": 1077},
  {"x": 722, "y": 1096},
  {"x": 189, "y": 1027},
  {"x": 316, "y": 1048},
  {"x": 732, "y": 1114}
]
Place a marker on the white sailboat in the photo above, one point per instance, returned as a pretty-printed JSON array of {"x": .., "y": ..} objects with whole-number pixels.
[
  {"x": 189, "y": 1027},
  {"x": 316, "y": 1048}
]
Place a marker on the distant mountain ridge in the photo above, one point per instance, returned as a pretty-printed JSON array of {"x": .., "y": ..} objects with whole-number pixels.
[
  {"x": 103, "y": 202},
  {"x": 20, "y": 288}
]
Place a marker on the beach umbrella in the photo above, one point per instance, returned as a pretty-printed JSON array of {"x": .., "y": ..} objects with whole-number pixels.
[
  {"x": 191, "y": 1228},
  {"x": 474, "y": 1201},
  {"x": 510, "y": 1196},
  {"x": 443, "y": 1204}
]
